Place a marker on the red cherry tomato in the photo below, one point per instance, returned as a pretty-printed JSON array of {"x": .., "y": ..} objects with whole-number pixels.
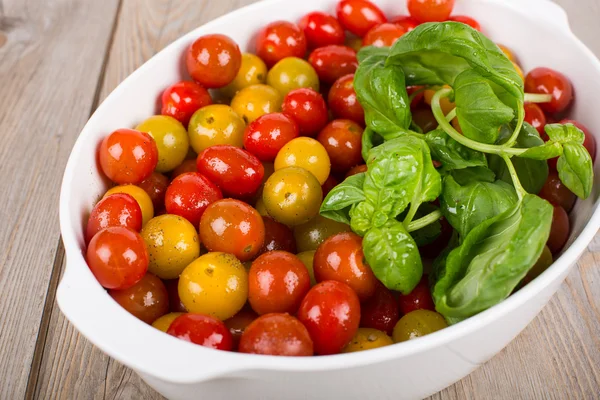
[
  {"x": 156, "y": 187},
  {"x": 549, "y": 81},
  {"x": 333, "y": 62},
  {"x": 278, "y": 40},
  {"x": 343, "y": 102},
  {"x": 423, "y": 117},
  {"x": 383, "y": 35},
  {"x": 277, "y": 335},
  {"x": 536, "y": 117},
  {"x": 380, "y": 311},
  {"x": 590, "y": 142},
  {"x": 331, "y": 313},
  {"x": 118, "y": 209},
  {"x": 357, "y": 170},
  {"x": 277, "y": 282},
  {"x": 186, "y": 166},
  {"x": 559, "y": 233},
  {"x": 238, "y": 324},
  {"x": 189, "y": 194},
  {"x": 147, "y": 300},
  {"x": 307, "y": 107},
  {"x": 430, "y": 10},
  {"x": 213, "y": 60},
  {"x": 405, "y": 22},
  {"x": 117, "y": 257},
  {"x": 202, "y": 329},
  {"x": 321, "y": 29},
  {"x": 128, "y": 156},
  {"x": 418, "y": 299},
  {"x": 278, "y": 237},
  {"x": 358, "y": 16},
  {"x": 466, "y": 20},
  {"x": 175, "y": 304},
  {"x": 557, "y": 193},
  {"x": 235, "y": 171},
  {"x": 329, "y": 184},
  {"x": 417, "y": 98},
  {"x": 182, "y": 100},
  {"x": 342, "y": 141},
  {"x": 265, "y": 136}
]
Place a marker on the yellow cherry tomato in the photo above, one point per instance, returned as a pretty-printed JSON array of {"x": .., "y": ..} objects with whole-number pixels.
[
  {"x": 367, "y": 339},
  {"x": 260, "y": 207},
  {"x": 307, "y": 258},
  {"x": 307, "y": 153},
  {"x": 252, "y": 72},
  {"x": 292, "y": 196},
  {"x": 416, "y": 324},
  {"x": 256, "y": 100},
  {"x": 311, "y": 234},
  {"x": 164, "y": 322},
  {"x": 172, "y": 243},
  {"x": 140, "y": 196},
  {"x": 171, "y": 138},
  {"x": 292, "y": 73},
  {"x": 445, "y": 104},
  {"x": 519, "y": 71},
  {"x": 215, "y": 284},
  {"x": 215, "y": 124}
]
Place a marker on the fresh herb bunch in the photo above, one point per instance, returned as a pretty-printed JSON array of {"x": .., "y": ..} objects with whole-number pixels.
[{"x": 487, "y": 181}]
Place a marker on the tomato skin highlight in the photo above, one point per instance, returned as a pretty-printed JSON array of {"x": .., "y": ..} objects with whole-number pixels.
[
  {"x": 189, "y": 194},
  {"x": 278, "y": 40},
  {"x": 182, "y": 99},
  {"x": 358, "y": 16},
  {"x": 203, "y": 330},
  {"x": 430, "y": 10},
  {"x": 321, "y": 29},
  {"x": 213, "y": 60},
  {"x": 383, "y": 35},
  {"x": 119, "y": 209},
  {"x": 276, "y": 334}
]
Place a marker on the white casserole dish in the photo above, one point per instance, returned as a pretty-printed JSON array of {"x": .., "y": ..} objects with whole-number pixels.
[{"x": 537, "y": 30}]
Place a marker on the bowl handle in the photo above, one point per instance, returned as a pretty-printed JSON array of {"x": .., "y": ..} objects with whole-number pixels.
[{"x": 543, "y": 9}]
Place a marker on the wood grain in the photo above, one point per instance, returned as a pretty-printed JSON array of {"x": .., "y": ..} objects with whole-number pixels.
[{"x": 46, "y": 93}]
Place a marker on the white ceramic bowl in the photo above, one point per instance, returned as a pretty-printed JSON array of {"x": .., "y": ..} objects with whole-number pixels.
[{"x": 539, "y": 33}]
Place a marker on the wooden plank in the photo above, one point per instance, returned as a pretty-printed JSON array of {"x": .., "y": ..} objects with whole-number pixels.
[{"x": 46, "y": 94}]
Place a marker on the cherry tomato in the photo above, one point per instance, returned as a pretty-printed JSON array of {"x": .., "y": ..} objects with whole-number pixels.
[
  {"x": 182, "y": 99},
  {"x": 278, "y": 281},
  {"x": 343, "y": 102},
  {"x": 171, "y": 139},
  {"x": 559, "y": 233},
  {"x": 119, "y": 209},
  {"x": 331, "y": 313},
  {"x": 307, "y": 258},
  {"x": 430, "y": 10},
  {"x": 380, "y": 311},
  {"x": 357, "y": 170},
  {"x": 539, "y": 267},
  {"x": 549, "y": 81},
  {"x": 277, "y": 237},
  {"x": 238, "y": 324},
  {"x": 358, "y": 16},
  {"x": 557, "y": 193},
  {"x": 310, "y": 235},
  {"x": 277, "y": 335},
  {"x": 163, "y": 323},
  {"x": 235, "y": 171},
  {"x": 232, "y": 226},
  {"x": 175, "y": 303},
  {"x": 445, "y": 103},
  {"x": 341, "y": 138},
  {"x": 333, "y": 62},
  {"x": 268, "y": 134},
  {"x": 189, "y": 194},
  {"x": 416, "y": 324},
  {"x": 147, "y": 300},
  {"x": 466, "y": 20},
  {"x": 367, "y": 339},
  {"x": 139, "y": 195},
  {"x": 278, "y": 40},
  {"x": 419, "y": 299},
  {"x": 117, "y": 257},
  {"x": 424, "y": 119},
  {"x": 292, "y": 73},
  {"x": 590, "y": 142},
  {"x": 215, "y": 284},
  {"x": 253, "y": 71},
  {"x": 156, "y": 187},
  {"x": 536, "y": 118},
  {"x": 384, "y": 35},
  {"x": 213, "y": 60},
  {"x": 308, "y": 109},
  {"x": 418, "y": 94},
  {"x": 321, "y": 29},
  {"x": 405, "y": 22},
  {"x": 202, "y": 329},
  {"x": 354, "y": 42},
  {"x": 128, "y": 156},
  {"x": 307, "y": 153},
  {"x": 215, "y": 124},
  {"x": 254, "y": 101},
  {"x": 185, "y": 166},
  {"x": 329, "y": 184}
]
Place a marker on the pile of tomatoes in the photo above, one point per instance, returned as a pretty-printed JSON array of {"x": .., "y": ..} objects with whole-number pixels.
[{"x": 212, "y": 232}]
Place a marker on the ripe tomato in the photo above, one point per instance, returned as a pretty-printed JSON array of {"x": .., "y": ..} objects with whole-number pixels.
[
  {"x": 310, "y": 235},
  {"x": 549, "y": 81},
  {"x": 156, "y": 188},
  {"x": 307, "y": 153},
  {"x": 424, "y": 119},
  {"x": 321, "y": 29},
  {"x": 590, "y": 142},
  {"x": 559, "y": 233},
  {"x": 419, "y": 299},
  {"x": 384, "y": 35},
  {"x": 253, "y": 71},
  {"x": 235, "y": 171},
  {"x": 147, "y": 300},
  {"x": 380, "y": 311},
  {"x": 276, "y": 335},
  {"x": 215, "y": 124},
  {"x": 417, "y": 324},
  {"x": 278, "y": 40},
  {"x": 358, "y": 16},
  {"x": 202, "y": 329},
  {"x": 163, "y": 323},
  {"x": 536, "y": 117},
  {"x": 430, "y": 10},
  {"x": 557, "y": 193},
  {"x": 277, "y": 237},
  {"x": 139, "y": 195},
  {"x": 405, "y": 22},
  {"x": 357, "y": 170},
  {"x": 343, "y": 102},
  {"x": 417, "y": 93},
  {"x": 331, "y": 313},
  {"x": 254, "y": 101},
  {"x": 213, "y": 60},
  {"x": 333, "y": 62},
  {"x": 182, "y": 99},
  {"x": 238, "y": 324},
  {"x": 119, "y": 209},
  {"x": 117, "y": 257},
  {"x": 340, "y": 258},
  {"x": 367, "y": 339},
  {"x": 278, "y": 281},
  {"x": 329, "y": 184},
  {"x": 189, "y": 194},
  {"x": 308, "y": 109},
  {"x": 293, "y": 73},
  {"x": 128, "y": 156},
  {"x": 342, "y": 141},
  {"x": 175, "y": 303},
  {"x": 466, "y": 20},
  {"x": 268, "y": 134}
]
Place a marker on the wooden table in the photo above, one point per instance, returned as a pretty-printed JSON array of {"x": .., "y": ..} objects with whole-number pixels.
[{"x": 59, "y": 59}]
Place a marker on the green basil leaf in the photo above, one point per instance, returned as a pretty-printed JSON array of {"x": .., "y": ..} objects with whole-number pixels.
[
  {"x": 429, "y": 233},
  {"x": 370, "y": 139},
  {"x": 473, "y": 174},
  {"x": 452, "y": 154},
  {"x": 393, "y": 256},
  {"x": 361, "y": 216},
  {"x": 575, "y": 169},
  {"x": 564, "y": 133},
  {"x": 372, "y": 51},
  {"x": 341, "y": 198},
  {"x": 546, "y": 151}
]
